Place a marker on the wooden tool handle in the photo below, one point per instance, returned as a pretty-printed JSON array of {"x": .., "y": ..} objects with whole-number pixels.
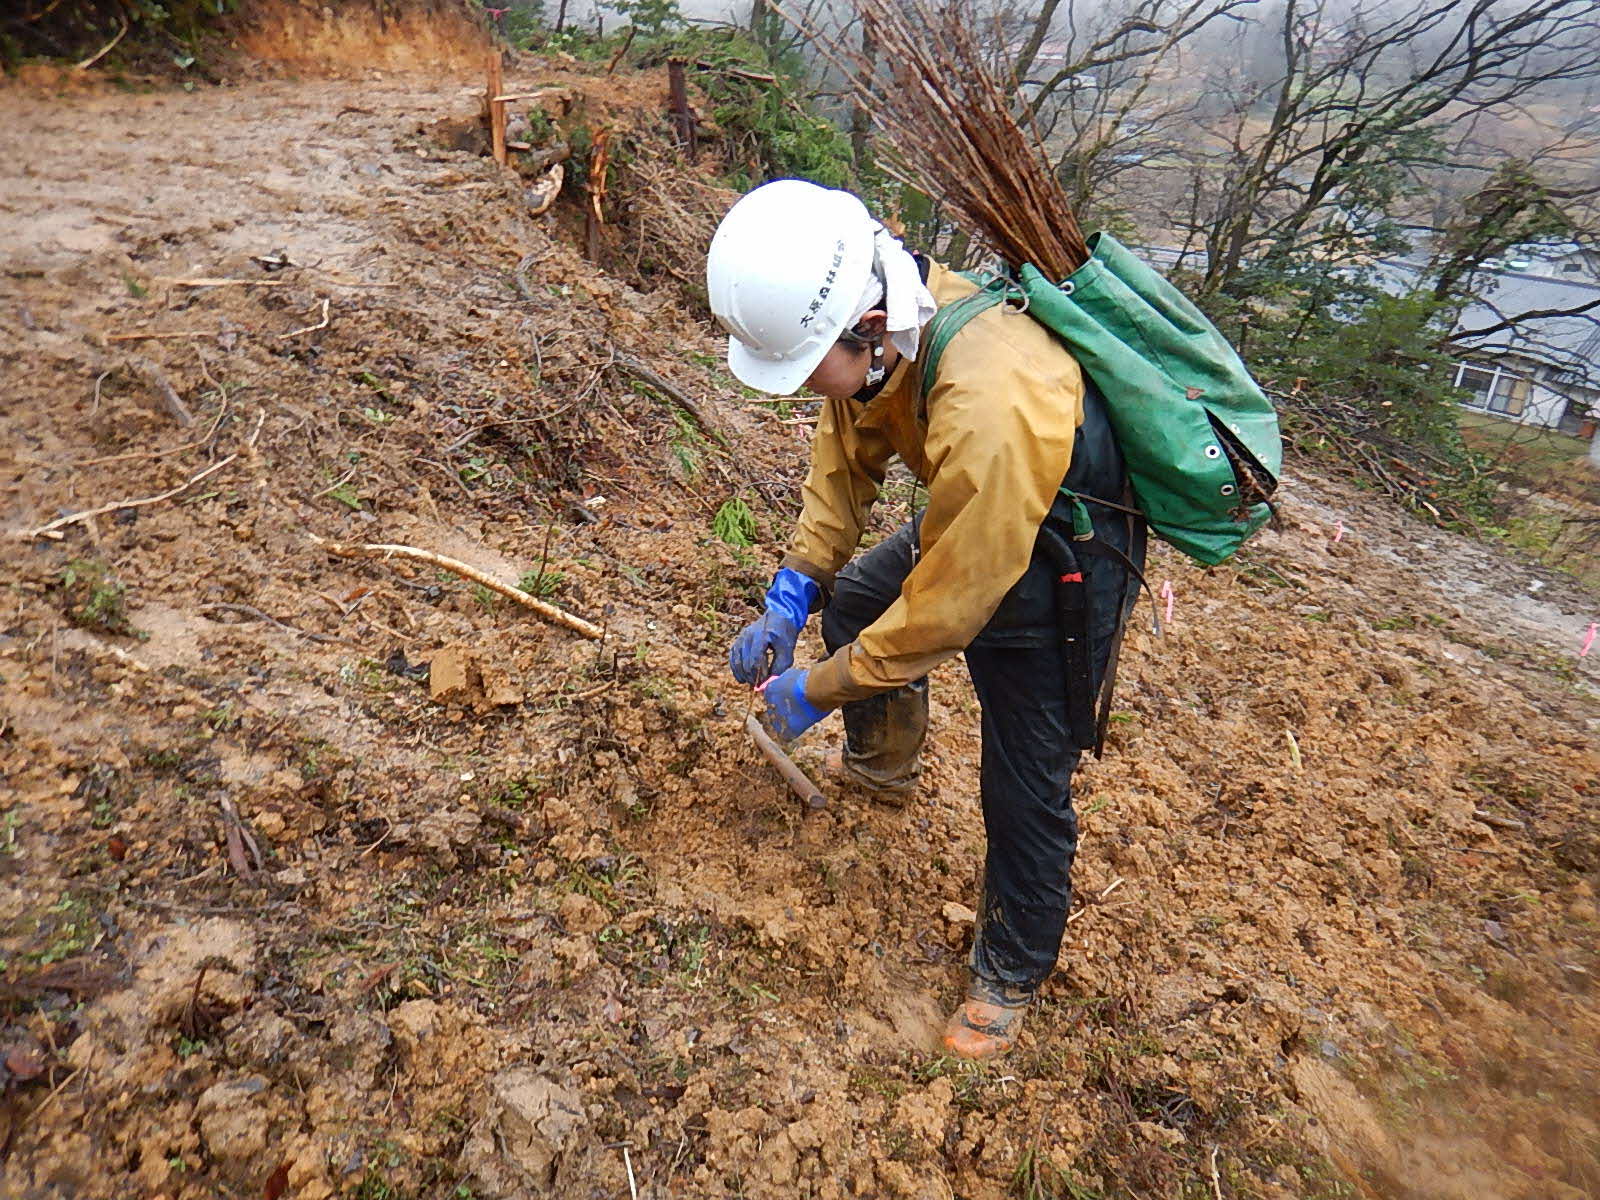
[{"x": 797, "y": 779}]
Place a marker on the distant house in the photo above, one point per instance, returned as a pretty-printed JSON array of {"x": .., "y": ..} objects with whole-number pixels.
[
  {"x": 1574, "y": 262},
  {"x": 1544, "y": 371}
]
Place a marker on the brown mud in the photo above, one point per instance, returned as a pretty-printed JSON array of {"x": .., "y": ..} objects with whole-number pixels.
[{"x": 275, "y": 921}]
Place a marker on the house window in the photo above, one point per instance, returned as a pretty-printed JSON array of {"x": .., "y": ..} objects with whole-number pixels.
[
  {"x": 1494, "y": 389},
  {"x": 1477, "y": 381},
  {"x": 1510, "y": 395}
]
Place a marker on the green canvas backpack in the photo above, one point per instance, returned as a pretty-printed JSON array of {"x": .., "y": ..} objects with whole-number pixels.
[{"x": 1199, "y": 438}]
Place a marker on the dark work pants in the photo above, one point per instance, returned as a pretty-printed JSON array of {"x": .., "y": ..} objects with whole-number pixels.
[{"x": 1029, "y": 753}]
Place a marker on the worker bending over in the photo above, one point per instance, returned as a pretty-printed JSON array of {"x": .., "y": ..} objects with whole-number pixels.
[{"x": 817, "y": 293}]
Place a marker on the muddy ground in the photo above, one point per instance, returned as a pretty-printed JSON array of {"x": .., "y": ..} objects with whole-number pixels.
[{"x": 279, "y": 921}]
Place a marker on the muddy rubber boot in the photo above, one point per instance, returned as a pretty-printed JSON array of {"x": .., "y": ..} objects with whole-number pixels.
[
  {"x": 883, "y": 738},
  {"x": 986, "y": 1024}
]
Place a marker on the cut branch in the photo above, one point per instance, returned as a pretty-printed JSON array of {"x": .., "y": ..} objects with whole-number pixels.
[{"x": 930, "y": 87}]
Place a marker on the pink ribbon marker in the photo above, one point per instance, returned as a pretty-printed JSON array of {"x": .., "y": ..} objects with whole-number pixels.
[
  {"x": 1588, "y": 640},
  {"x": 1166, "y": 594},
  {"x": 1338, "y": 534}
]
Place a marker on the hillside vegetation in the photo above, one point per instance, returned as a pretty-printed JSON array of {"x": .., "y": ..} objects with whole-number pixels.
[{"x": 327, "y": 877}]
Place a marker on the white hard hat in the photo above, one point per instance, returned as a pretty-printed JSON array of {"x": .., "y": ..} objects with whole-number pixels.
[{"x": 785, "y": 270}]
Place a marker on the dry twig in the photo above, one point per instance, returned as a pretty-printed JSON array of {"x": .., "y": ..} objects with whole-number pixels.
[
  {"x": 322, "y": 324},
  {"x": 54, "y": 1092},
  {"x": 106, "y": 49},
  {"x": 50, "y": 530},
  {"x": 215, "y": 283},
  {"x": 98, "y": 380},
  {"x": 247, "y": 611},
  {"x": 672, "y": 392},
  {"x": 548, "y": 611},
  {"x": 1098, "y": 900},
  {"x": 161, "y": 335}
]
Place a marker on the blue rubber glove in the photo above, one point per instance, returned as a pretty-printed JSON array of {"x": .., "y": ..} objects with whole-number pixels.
[
  {"x": 789, "y": 713},
  {"x": 789, "y": 602}
]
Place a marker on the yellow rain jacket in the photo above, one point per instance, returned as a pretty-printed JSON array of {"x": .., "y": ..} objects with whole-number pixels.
[{"x": 992, "y": 444}]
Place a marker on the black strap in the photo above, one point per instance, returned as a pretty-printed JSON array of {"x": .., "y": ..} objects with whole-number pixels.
[
  {"x": 1072, "y": 622},
  {"x": 1138, "y": 534},
  {"x": 1103, "y": 549}
]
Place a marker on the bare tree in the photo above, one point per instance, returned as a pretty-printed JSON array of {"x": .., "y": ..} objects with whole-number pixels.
[
  {"x": 1361, "y": 90},
  {"x": 1107, "y": 88}
]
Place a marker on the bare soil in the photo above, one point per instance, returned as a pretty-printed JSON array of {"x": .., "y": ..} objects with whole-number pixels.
[{"x": 277, "y": 921}]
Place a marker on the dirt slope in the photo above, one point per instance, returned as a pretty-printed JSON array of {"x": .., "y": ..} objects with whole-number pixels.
[{"x": 275, "y": 921}]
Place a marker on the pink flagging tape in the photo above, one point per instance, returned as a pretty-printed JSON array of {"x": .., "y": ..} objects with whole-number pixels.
[
  {"x": 1338, "y": 534},
  {"x": 1167, "y": 595},
  {"x": 1588, "y": 639}
]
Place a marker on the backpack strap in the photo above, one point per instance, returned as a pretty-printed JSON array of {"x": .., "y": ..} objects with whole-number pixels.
[
  {"x": 950, "y": 320},
  {"x": 1138, "y": 533},
  {"x": 1086, "y": 542}
]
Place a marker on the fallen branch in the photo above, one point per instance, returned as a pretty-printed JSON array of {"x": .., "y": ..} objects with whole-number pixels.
[
  {"x": 537, "y": 95},
  {"x": 521, "y": 274},
  {"x": 161, "y": 335},
  {"x": 799, "y": 783},
  {"x": 1494, "y": 822},
  {"x": 238, "y": 840},
  {"x": 247, "y": 611},
  {"x": 106, "y": 49},
  {"x": 672, "y": 392},
  {"x": 215, "y": 283},
  {"x": 736, "y": 72},
  {"x": 611, "y": 67},
  {"x": 72, "y": 518},
  {"x": 379, "y": 550}
]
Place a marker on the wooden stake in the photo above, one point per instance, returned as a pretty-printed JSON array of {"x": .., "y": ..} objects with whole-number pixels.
[
  {"x": 682, "y": 115},
  {"x": 799, "y": 782},
  {"x": 379, "y": 550},
  {"x": 494, "y": 104},
  {"x": 598, "y": 157}
]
